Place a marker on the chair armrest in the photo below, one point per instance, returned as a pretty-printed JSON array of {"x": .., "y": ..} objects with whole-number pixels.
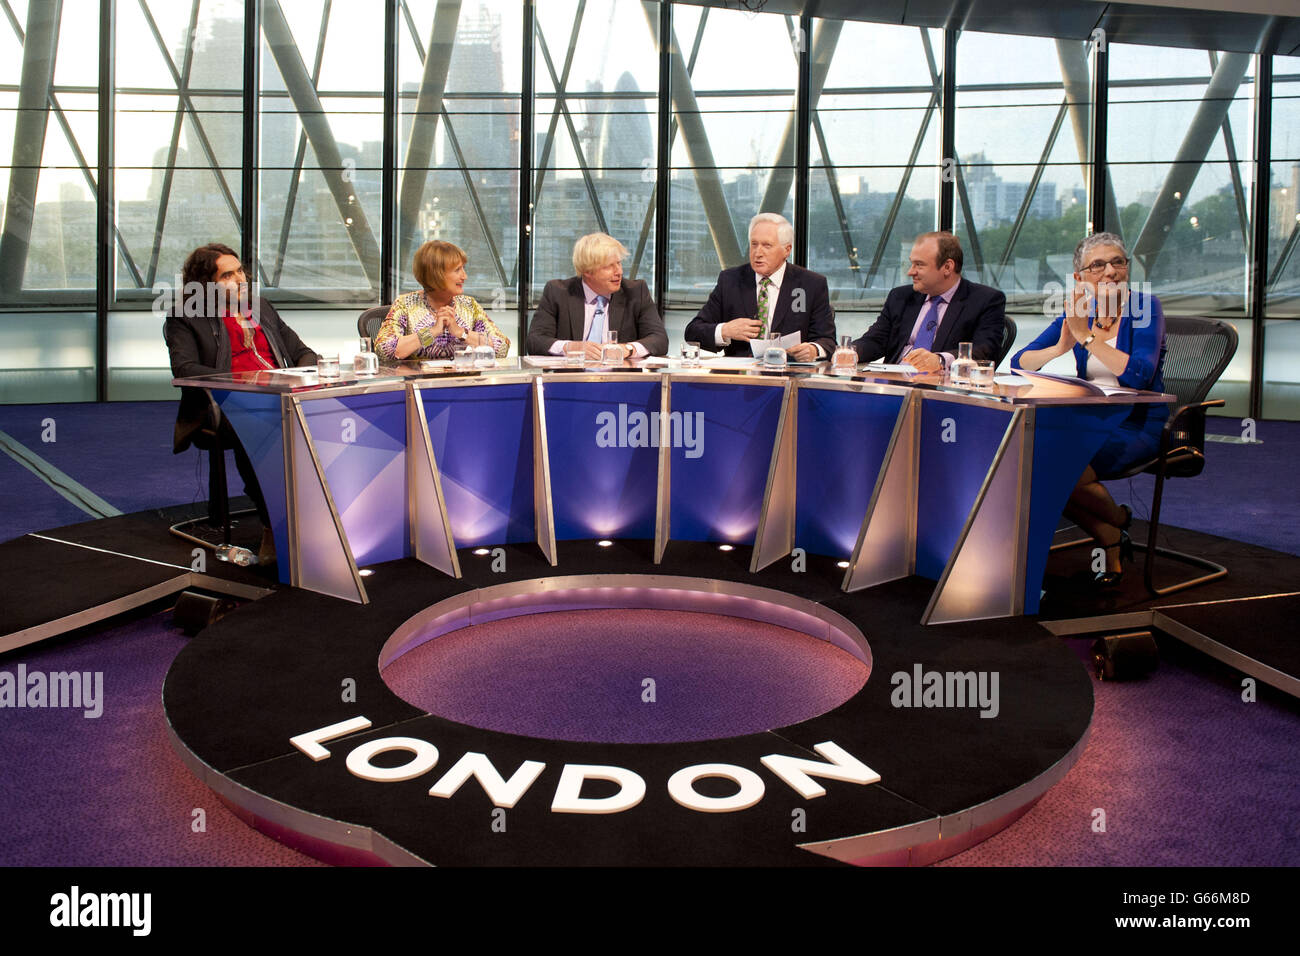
[{"x": 1196, "y": 413}]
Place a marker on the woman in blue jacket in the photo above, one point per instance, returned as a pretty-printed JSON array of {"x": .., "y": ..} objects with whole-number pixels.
[{"x": 1117, "y": 335}]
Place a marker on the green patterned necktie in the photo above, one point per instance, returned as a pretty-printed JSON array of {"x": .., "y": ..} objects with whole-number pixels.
[{"x": 763, "y": 286}]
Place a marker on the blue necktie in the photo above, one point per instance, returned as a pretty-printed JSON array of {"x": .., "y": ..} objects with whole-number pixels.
[
  {"x": 597, "y": 331},
  {"x": 925, "y": 335}
]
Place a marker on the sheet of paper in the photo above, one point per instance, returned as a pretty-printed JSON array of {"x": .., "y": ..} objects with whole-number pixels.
[
  {"x": 544, "y": 361},
  {"x": 726, "y": 361},
  {"x": 886, "y": 367},
  {"x": 758, "y": 346},
  {"x": 1064, "y": 379}
]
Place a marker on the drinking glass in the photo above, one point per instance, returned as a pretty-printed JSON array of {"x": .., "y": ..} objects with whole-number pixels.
[
  {"x": 981, "y": 375},
  {"x": 327, "y": 366},
  {"x": 774, "y": 356},
  {"x": 611, "y": 353},
  {"x": 365, "y": 362}
]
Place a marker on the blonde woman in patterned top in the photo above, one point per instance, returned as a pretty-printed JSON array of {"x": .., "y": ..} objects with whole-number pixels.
[{"x": 434, "y": 322}]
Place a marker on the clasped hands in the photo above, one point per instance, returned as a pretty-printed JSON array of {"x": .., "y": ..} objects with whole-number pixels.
[
  {"x": 593, "y": 351},
  {"x": 1078, "y": 308},
  {"x": 445, "y": 321}
]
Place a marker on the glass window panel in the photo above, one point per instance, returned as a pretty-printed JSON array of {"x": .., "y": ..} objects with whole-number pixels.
[
  {"x": 596, "y": 141},
  {"x": 1281, "y": 369},
  {"x": 1187, "y": 222},
  {"x": 47, "y": 239},
  {"x": 47, "y": 357},
  {"x": 321, "y": 96},
  {"x": 1282, "y": 338},
  {"x": 139, "y": 368},
  {"x": 733, "y": 152},
  {"x": 178, "y": 139},
  {"x": 1023, "y": 127},
  {"x": 458, "y": 158},
  {"x": 874, "y": 157}
]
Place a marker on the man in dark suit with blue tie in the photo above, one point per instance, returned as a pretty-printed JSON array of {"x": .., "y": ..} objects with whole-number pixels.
[
  {"x": 595, "y": 301},
  {"x": 921, "y": 324},
  {"x": 767, "y": 294}
]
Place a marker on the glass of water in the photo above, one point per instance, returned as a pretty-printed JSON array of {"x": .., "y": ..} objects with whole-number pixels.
[
  {"x": 365, "y": 362},
  {"x": 691, "y": 355},
  {"x": 611, "y": 353},
  {"x": 575, "y": 354},
  {"x": 327, "y": 366},
  {"x": 981, "y": 376},
  {"x": 774, "y": 356},
  {"x": 462, "y": 358}
]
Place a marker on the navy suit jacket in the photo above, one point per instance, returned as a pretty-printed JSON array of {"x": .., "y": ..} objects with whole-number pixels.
[
  {"x": 561, "y": 315},
  {"x": 736, "y": 296},
  {"x": 976, "y": 314}
]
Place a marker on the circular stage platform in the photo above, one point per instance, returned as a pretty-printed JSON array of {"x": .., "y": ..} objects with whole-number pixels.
[{"x": 281, "y": 708}]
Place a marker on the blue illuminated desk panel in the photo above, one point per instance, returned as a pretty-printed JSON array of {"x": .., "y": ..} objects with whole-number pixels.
[{"x": 893, "y": 475}]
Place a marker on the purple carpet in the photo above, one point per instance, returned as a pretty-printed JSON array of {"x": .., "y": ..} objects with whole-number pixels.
[
  {"x": 582, "y": 675},
  {"x": 109, "y": 790},
  {"x": 1183, "y": 771}
]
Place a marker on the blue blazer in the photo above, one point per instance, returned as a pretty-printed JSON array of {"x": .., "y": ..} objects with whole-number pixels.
[{"x": 1141, "y": 336}]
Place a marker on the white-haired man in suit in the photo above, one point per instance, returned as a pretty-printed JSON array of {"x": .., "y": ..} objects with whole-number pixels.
[{"x": 767, "y": 294}]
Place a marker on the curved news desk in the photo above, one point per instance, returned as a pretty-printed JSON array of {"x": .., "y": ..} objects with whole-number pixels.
[{"x": 897, "y": 475}]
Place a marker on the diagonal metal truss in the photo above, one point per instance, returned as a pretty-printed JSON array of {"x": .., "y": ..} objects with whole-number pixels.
[
  {"x": 186, "y": 107},
  {"x": 936, "y": 94},
  {"x": 312, "y": 115},
  {"x": 62, "y": 119},
  {"x": 646, "y": 225},
  {"x": 430, "y": 108},
  {"x": 299, "y": 155},
  {"x": 42, "y": 40}
]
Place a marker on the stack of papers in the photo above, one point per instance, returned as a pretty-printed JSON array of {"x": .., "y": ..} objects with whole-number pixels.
[{"x": 1092, "y": 387}]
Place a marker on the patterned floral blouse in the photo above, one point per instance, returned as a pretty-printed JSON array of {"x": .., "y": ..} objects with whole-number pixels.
[{"x": 411, "y": 312}]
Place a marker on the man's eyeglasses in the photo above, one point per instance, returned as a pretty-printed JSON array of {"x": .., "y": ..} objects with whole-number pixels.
[{"x": 1098, "y": 267}]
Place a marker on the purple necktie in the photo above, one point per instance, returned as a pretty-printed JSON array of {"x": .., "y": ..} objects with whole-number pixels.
[{"x": 925, "y": 335}]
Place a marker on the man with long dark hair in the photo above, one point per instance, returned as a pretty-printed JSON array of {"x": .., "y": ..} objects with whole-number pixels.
[{"x": 214, "y": 325}]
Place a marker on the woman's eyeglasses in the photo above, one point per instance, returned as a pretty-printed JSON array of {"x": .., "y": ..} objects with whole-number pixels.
[{"x": 1098, "y": 267}]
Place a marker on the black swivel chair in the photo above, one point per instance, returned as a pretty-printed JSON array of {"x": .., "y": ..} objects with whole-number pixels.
[
  {"x": 369, "y": 321},
  {"x": 1197, "y": 352},
  {"x": 1008, "y": 340}
]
